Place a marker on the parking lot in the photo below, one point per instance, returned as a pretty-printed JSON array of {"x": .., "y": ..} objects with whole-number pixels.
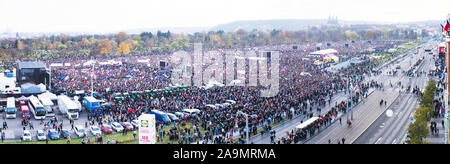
[{"x": 14, "y": 131}]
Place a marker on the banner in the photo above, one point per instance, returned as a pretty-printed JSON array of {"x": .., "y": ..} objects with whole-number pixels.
[{"x": 147, "y": 129}]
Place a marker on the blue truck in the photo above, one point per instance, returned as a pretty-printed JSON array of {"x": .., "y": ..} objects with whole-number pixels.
[
  {"x": 92, "y": 105},
  {"x": 160, "y": 116}
]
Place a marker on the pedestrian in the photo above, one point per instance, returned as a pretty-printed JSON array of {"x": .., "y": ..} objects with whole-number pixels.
[
  {"x": 134, "y": 135},
  {"x": 68, "y": 139},
  {"x": 5, "y": 125},
  {"x": 343, "y": 140},
  {"x": 329, "y": 141},
  {"x": 340, "y": 121}
]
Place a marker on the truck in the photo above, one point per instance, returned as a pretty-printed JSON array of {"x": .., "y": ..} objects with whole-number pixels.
[
  {"x": 160, "y": 116},
  {"x": 92, "y": 105},
  {"x": 48, "y": 106},
  {"x": 68, "y": 107}
]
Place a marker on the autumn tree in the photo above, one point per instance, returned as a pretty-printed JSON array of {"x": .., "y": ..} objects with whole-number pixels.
[
  {"x": 84, "y": 42},
  {"x": 121, "y": 36},
  {"x": 124, "y": 48},
  {"x": 104, "y": 46}
]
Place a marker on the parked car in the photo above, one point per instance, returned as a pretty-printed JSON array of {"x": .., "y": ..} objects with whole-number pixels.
[
  {"x": 79, "y": 131},
  {"x": 117, "y": 127},
  {"x": 95, "y": 130},
  {"x": 127, "y": 125},
  {"x": 173, "y": 117},
  {"x": 53, "y": 134},
  {"x": 180, "y": 114},
  {"x": 26, "y": 135},
  {"x": 41, "y": 135},
  {"x": 135, "y": 123},
  {"x": 64, "y": 133},
  {"x": 2, "y": 108},
  {"x": 106, "y": 129}
]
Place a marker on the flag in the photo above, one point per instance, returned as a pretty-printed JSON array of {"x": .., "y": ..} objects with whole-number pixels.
[{"x": 447, "y": 26}]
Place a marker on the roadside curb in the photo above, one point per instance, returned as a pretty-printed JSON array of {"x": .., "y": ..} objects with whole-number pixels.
[
  {"x": 376, "y": 118},
  {"x": 333, "y": 121}
]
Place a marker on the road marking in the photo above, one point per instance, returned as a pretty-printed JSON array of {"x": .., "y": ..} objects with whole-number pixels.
[{"x": 378, "y": 140}]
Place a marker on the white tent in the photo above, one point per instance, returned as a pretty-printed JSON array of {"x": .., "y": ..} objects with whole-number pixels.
[
  {"x": 50, "y": 95},
  {"x": 90, "y": 62},
  {"x": 42, "y": 87},
  {"x": 213, "y": 83},
  {"x": 235, "y": 82},
  {"x": 56, "y": 65},
  {"x": 305, "y": 74},
  {"x": 325, "y": 52}
]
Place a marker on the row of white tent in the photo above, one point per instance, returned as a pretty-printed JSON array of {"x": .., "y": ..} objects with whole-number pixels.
[{"x": 88, "y": 63}]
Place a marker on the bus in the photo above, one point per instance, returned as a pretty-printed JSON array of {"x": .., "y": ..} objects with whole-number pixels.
[
  {"x": 11, "y": 107},
  {"x": 36, "y": 108},
  {"x": 25, "y": 111},
  {"x": 48, "y": 106}
]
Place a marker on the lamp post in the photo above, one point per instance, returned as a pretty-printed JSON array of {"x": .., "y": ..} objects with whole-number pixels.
[
  {"x": 246, "y": 124},
  {"x": 92, "y": 82},
  {"x": 446, "y": 111},
  {"x": 351, "y": 101},
  {"x": 50, "y": 78}
]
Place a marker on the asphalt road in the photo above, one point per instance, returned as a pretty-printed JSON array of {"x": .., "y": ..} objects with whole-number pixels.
[
  {"x": 369, "y": 119},
  {"x": 393, "y": 130}
]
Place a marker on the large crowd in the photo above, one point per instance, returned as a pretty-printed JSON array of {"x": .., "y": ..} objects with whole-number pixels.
[{"x": 299, "y": 94}]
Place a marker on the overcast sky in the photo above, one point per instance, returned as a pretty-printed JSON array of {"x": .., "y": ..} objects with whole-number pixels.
[{"x": 115, "y": 15}]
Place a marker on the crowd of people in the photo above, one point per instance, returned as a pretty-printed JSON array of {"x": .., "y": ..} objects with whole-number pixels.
[{"x": 299, "y": 94}]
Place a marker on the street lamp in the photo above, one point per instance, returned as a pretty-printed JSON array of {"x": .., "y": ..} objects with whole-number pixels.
[
  {"x": 351, "y": 99},
  {"x": 50, "y": 78},
  {"x": 246, "y": 123},
  {"x": 92, "y": 74}
]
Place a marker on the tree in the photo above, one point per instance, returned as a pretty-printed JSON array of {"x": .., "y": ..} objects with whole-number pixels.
[
  {"x": 84, "y": 42},
  {"x": 121, "y": 36},
  {"x": 63, "y": 38},
  {"x": 428, "y": 95},
  {"x": 417, "y": 132},
  {"x": 369, "y": 35},
  {"x": 20, "y": 45},
  {"x": 124, "y": 48},
  {"x": 146, "y": 36},
  {"x": 104, "y": 46}
]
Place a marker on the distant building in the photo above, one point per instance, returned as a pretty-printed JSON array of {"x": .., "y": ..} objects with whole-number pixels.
[{"x": 332, "y": 20}]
